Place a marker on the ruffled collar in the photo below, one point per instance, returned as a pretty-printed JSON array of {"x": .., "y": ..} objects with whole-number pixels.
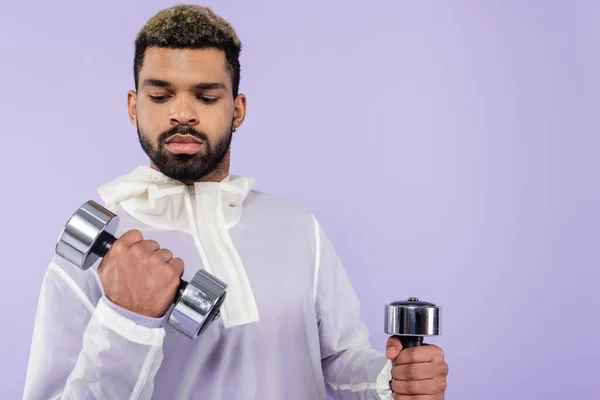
[{"x": 160, "y": 200}]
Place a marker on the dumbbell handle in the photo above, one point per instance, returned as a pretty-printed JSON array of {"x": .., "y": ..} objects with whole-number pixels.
[
  {"x": 410, "y": 341},
  {"x": 105, "y": 242}
]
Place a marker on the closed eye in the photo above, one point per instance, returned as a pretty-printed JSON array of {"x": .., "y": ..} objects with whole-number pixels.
[
  {"x": 204, "y": 99},
  {"x": 159, "y": 99},
  {"x": 208, "y": 100}
]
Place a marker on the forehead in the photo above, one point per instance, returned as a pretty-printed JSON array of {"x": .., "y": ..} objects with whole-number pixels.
[{"x": 185, "y": 66}]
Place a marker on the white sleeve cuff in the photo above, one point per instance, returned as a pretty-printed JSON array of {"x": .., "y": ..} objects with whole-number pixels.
[
  {"x": 383, "y": 382},
  {"x": 125, "y": 327}
]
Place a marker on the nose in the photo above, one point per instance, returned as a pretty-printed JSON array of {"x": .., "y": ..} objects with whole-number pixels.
[{"x": 183, "y": 113}]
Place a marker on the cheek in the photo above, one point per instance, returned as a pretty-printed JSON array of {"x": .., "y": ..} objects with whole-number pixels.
[
  {"x": 144, "y": 117},
  {"x": 149, "y": 112},
  {"x": 148, "y": 132},
  {"x": 149, "y": 123}
]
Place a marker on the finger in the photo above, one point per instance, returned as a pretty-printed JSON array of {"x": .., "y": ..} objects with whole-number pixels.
[
  {"x": 125, "y": 242},
  {"x": 131, "y": 237},
  {"x": 416, "y": 372},
  {"x": 393, "y": 347},
  {"x": 410, "y": 397},
  {"x": 426, "y": 387},
  {"x": 147, "y": 245},
  {"x": 164, "y": 255},
  {"x": 420, "y": 354},
  {"x": 178, "y": 266}
]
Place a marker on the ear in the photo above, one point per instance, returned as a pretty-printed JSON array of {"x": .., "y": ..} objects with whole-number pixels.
[
  {"x": 131, "y": 103},
  {"x": 239, "y": 110}
]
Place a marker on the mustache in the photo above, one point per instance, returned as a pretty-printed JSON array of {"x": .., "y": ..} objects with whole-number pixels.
[{"x": 182, "y": 130}]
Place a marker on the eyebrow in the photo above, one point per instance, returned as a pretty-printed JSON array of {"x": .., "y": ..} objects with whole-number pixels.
[{"x": 197, "y": 86}]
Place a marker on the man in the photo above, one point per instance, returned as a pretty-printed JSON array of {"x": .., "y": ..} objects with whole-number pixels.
[{"x": 290, "y": 326}]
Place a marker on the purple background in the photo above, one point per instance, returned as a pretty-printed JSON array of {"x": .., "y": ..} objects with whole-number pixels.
[{"x": 450, "y": 149}]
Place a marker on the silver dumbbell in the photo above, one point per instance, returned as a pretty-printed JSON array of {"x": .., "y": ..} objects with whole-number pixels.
[
  {"x": 411, "y": 320},
  {"x": 89, "y": 235}
]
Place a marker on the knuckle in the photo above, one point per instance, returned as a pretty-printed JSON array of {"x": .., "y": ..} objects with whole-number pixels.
[
  {"x": 177, "y": 262},
  {"x": 445, "y": 369},
  {"x": 118, "y": 246},
  {"x": 179, "y": 266},
  {"x": 151, "y": 245},
  {"x": 137, "y": 250},
  {"x": 442, "y": 385},
  {"x": 155, "y": 258},
  {"x": 133, "y": 235}
]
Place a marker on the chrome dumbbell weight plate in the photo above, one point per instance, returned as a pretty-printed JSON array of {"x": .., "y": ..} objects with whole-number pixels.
[
  {"x": 89, "y": 235},
  {"x": 412, "y": 320},
  {"x": 198, "y": 304}
]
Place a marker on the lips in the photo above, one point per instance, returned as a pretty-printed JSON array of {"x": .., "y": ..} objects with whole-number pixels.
[
  {"x": 182, "y": 139},
  {"x": 183, "y": 144}
]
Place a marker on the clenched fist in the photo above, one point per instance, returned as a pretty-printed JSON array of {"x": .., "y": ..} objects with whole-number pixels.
[
  {"x": 140, "y": 276},
  {"x": 418, "y": 373}
]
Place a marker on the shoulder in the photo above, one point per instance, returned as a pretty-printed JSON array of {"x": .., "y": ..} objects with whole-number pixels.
[
  {"x": 278, "y": 209},
  {"x": 285, "y": 222}
]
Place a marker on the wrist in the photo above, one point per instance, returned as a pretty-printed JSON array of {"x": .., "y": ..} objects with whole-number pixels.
[
  {"x": 106, "y": 316},
  {"x": 137, "y": 317}
]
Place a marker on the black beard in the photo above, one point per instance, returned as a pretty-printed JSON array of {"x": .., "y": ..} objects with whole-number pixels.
[{"x": 186, "y": 167}]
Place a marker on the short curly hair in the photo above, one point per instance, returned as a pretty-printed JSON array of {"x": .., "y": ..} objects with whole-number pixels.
[{"x": 187, "y": 26}]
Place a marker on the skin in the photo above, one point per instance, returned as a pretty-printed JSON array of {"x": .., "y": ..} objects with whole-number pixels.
[
  {"x": 418, "y": 373},
  {"x": 186, "y": 90},
  {"x": 138, "y": 275}
]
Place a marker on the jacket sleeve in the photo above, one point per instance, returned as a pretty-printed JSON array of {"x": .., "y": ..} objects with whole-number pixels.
[
  {"x": 353, "y": 370},
  {"x": 81, "y": 350}
]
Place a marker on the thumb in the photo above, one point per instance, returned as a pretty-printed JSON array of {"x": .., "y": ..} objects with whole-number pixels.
[{"x": 393, "y": 348}]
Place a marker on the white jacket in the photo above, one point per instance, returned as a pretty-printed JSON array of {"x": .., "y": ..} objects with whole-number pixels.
[{"x": 290, "y": 327}]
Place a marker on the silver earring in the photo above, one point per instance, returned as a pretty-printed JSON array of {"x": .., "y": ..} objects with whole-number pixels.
[{"x": 235, "y": 128}]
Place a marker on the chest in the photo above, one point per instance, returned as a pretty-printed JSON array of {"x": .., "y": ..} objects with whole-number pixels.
[{"x": 280, "y": 269}]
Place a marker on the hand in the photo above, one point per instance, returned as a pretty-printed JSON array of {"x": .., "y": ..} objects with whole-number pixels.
[
  {"x": 418, "y": 373},
  {"x": 140, "y": 276}
]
